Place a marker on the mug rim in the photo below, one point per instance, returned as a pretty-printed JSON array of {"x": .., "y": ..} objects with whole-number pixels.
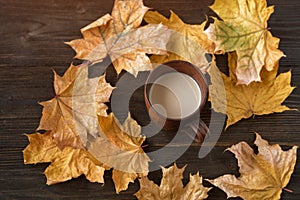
[{"x": 202, "y": 84}]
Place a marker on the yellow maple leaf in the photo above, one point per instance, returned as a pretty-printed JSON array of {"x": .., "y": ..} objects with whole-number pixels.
[
  {"x": 242, "y": 101},
  {"x": 36, "y": 152},
  {"x": 119, "y": 146},
  {"x": 72, "y": 114},
  {"x": 187, "y": 42},
  {"x": 122, "y": 179},
  {"x": 263, "y": 175},
  {"x": 244, "y": 30},
  {"x": 119, "y": 36},
  {"x": 76, "y": 112},
  {"x": 171, "y": 187},
  {"x": 65, "y": 164}
]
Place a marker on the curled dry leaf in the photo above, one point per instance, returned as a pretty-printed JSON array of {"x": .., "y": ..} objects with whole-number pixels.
[
  {"x": 263, "y": 175},
  {"x": 65, "y": 164},
  {"x": 187, "y": 42},
  {"x": 119, "y": 146},
  {"x": 242, "y": 101},
  {"x": 72, "y": 114},
  {"x": 119, "y": 36},
  {"x": 244, "y": 30},
  {"x": 171, "y": 187}
]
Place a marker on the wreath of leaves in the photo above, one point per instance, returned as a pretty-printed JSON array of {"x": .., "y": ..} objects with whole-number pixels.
[{"x": 253, "y": 56}]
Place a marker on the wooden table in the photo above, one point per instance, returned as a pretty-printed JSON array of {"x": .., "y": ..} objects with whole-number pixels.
[{"x": 32, "y": 36}]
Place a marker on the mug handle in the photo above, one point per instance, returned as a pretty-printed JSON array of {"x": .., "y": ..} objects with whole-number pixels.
[{"x": 200, "y": 129}]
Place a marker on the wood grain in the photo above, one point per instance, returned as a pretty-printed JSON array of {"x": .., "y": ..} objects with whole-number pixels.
[{"x": 32, "y": 36}]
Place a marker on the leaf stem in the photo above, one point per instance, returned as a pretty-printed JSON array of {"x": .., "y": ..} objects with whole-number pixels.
[
  {"x": 144, "y": 146},
  {"x": 288, "y": 190}
]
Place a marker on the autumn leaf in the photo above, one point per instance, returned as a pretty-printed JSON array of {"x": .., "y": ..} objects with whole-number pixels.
[
  {"x": 122, "y": 179},
  {"x": 244, "y": 29},
  {"x": 242, "y": 101},
  {"x": 120, "y": 36},
  {"x": 65, "y": 164},
  {"x": 36, "y": 152},
  {"x": 171, "y": 187},
  {"x": 77, "y": 110},
  {"x": 72, "y": 114},
  {"x": 187, "y": 42},
  {"x": 119, "y": 146},
  {"x": 263, "y": 175}
]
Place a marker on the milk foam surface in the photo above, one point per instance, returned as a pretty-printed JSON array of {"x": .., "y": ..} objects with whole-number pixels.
[{"x": 175, "y": 95}]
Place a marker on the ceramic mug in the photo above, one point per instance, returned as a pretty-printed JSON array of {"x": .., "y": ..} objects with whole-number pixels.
[{"x": 175, "y": 92}]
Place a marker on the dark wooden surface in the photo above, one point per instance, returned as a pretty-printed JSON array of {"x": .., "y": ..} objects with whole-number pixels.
[{"x": 32, "y": 34}]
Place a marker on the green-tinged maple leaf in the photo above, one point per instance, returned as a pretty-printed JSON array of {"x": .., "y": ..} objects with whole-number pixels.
[{"x": 244, "y": 29}]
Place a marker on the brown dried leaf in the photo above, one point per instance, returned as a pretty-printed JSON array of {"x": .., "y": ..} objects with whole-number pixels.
[
  {"x": 242, "y": 101},
  {"x": 187, "y": 42},
  {"x": 65, "y": 164},
  {"x": 244, "y": 29},
  {"x": 72, "y": 114},
  {"x": 119, "y": 37},
  {"x": 119, "y": 146},
  {"x": 171, "y": 187},
  {"x": 263, "y": 175}
]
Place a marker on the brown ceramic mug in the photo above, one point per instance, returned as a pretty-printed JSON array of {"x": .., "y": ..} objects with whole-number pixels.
[{"x": 175, "y": 93}]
